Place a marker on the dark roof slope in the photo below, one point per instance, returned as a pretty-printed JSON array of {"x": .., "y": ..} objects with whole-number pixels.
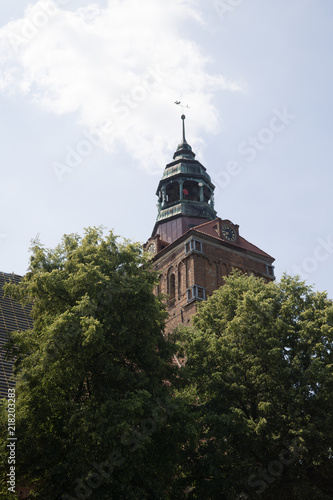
[{"x": 13, "y": 316}]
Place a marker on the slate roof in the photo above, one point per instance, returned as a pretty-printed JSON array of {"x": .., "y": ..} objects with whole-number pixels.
[{"x": 13, "y": 316}]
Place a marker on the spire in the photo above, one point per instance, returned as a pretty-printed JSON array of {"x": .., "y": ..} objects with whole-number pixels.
[{"x": 184, "y": 149}]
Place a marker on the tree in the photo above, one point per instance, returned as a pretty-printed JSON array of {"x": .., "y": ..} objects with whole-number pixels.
[
  {"x": 260, "y": 370},
  {"x": 94, "y": 406}
]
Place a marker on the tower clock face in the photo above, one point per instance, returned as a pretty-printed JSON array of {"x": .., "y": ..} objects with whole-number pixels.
[{"x": 229, "y": 233}]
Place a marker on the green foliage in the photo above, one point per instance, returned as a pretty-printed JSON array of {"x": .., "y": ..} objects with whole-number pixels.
[
  {"x": 102, "y": 412},
  {"x": 260, "y": 368},
  {"x": 94, "y": 374}
]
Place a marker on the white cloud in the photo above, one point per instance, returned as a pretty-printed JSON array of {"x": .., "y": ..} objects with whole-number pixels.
[{"x": 119, "y": 68}]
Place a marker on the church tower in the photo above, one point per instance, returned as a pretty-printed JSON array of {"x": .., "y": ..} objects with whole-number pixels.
[
  {"x": 191, "y": 247},
  {"x": 185, "y": 194}
]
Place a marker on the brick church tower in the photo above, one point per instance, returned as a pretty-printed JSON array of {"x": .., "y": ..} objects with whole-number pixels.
[{"x": 192, "y": 249}]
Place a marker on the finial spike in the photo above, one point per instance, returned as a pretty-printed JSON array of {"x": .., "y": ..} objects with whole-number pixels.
[{"x": 183, "y": 118}]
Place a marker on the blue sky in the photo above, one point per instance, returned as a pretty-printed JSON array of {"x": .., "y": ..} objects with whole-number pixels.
[{"x": 88, "y": 119}]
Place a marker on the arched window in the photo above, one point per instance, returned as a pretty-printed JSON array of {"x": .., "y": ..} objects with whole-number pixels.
[
  {"x": 172, "y": 287},
  {"x": 180, "y": 278},
  {"x": 171, "y": 284},
  {"x": 207, "y": 194},
  {"x": 172, "y": 192},
  {"x": 191, "y": 191}
]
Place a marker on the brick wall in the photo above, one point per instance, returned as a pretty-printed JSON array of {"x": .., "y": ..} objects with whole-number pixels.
[{"x": 205, "y": 265}]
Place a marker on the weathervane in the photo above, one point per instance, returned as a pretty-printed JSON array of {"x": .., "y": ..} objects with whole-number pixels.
[
  {"x": 182, "y": 117},
  {"x": 182, "y": 105}
]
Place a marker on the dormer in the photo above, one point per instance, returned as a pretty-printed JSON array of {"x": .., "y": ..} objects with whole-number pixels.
[{"x": 227, "y": 230}]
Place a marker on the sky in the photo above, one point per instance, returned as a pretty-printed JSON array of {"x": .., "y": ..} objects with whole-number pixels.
[{"x": 88, "y": 120}]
